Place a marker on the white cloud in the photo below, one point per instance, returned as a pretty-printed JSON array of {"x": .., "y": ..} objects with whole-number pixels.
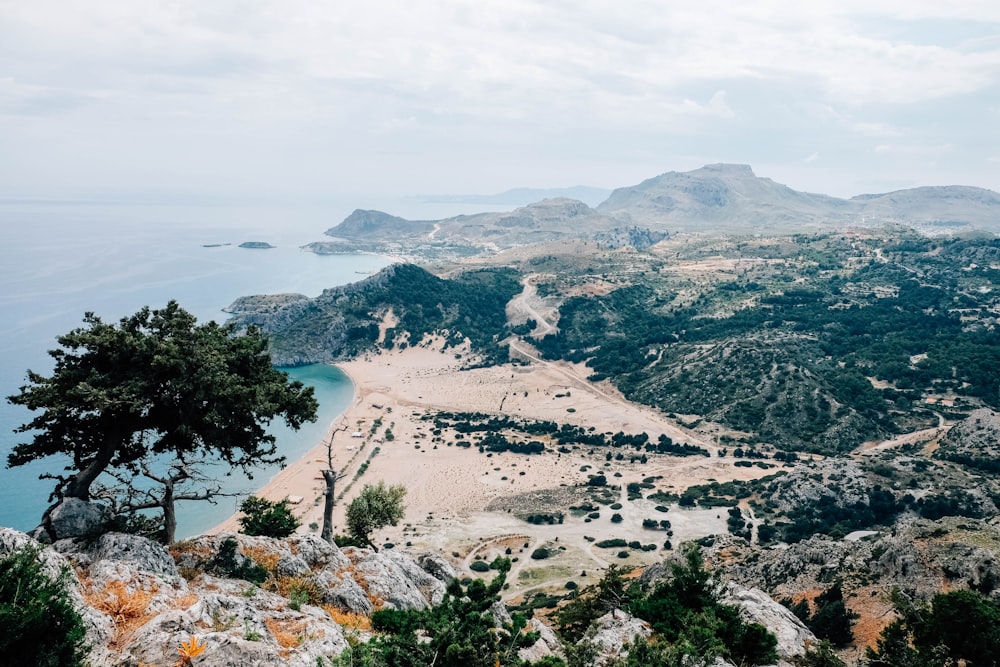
[{"x": 456, "y": 76}]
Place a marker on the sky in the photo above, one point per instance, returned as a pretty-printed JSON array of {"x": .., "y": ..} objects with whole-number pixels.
[{"x": 305, "y": 99}]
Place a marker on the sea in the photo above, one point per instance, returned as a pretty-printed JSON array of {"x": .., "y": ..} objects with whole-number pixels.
[{"x": 63, "y": 257}]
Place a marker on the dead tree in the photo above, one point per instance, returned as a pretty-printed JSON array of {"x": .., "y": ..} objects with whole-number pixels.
[
  {"x": 330, "y": 476},
  {"x": 174, "y": 484}
]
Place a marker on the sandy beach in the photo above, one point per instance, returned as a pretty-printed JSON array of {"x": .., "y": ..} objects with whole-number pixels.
[{"x": 464, "y": 502}]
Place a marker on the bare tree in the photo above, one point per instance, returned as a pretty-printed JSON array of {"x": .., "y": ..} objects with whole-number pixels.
[
  {"x": 182, "y": 480},
  {"x": 330, "y": 476}
]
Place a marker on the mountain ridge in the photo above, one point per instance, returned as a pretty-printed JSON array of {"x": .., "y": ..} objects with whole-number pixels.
[{"x": 715, "y": 198}]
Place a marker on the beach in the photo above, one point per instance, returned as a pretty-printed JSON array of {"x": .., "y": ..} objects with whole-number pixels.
[{"x": 467, "y": 503}]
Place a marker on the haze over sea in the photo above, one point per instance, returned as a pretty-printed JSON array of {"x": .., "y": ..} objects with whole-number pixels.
[{"x": 61, "y": 258}]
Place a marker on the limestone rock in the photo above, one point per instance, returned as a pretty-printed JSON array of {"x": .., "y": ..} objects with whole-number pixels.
[
  {"x": 501, "y": 616},
  {"x": 317, "y": 552},
  {"x": 616, "y": 629},
  {"x": 547, "y": 645},
  {"x": 144, "y": 554},
  {"x": 437, "y": 567},
  {"x": 344, "y": 592},
  {"x": 76, "y": 518},
  {"x": 395, "y": 579},
  {"x": 757, "y": 606}
]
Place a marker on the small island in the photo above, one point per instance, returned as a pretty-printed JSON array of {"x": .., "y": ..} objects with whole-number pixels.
[{"x": 257, "y": 245}]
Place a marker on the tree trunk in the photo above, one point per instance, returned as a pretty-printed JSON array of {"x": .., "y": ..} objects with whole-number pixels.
[
  {"x": 79, "y": 486},
  {"x": 169, "y": 513},
  {"x": 330, "y": 477}
]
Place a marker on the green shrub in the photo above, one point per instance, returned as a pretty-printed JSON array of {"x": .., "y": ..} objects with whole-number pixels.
[
  {"x": 479, "y": 566},
  {"x": 40, "y": 625},
  {"x": 227, "y": 564},
  {"x": 612, "y": 543},
  {"x": 270, "y": 519},
  {"x": 541, "y": 553}
]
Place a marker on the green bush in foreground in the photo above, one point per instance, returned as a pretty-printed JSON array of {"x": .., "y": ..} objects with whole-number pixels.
[
  {"x": 266, "y": 518},
  {"x": 40, "y": 625}
]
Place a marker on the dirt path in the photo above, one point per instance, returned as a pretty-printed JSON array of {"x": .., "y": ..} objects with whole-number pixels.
[{"x": 525, "y": 306}]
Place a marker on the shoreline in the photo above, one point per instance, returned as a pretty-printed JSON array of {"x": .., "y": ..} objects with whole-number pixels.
[{"x": 458, "y": 495}]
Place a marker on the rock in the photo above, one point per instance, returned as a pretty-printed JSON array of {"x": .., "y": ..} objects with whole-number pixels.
[
  {"x": 395, "y": 579},
  {"x": 344, "y": 592},
  {"x": 317, "y": 552},
  {"x": 547, "y": 645},
  {"x": 616, "y": 629},
  {"x": 292, "y": 566},
  {"x": 437, "y": 567},
  {"x": 757, "y": 606},
  {"x": 145, "y": 554},
  {"x": 76, "y": 518},
  {"x": 501, "y": 616}
]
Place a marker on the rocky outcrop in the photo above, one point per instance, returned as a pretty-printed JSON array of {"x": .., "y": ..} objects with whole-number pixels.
[
  {"x": 140, "y": 601},
  {"x": 614, "y": 631},
  {"x": 756, "y": 606},
  {"x": 71, "y": 518},
  {"x": 546, "y": 645}
]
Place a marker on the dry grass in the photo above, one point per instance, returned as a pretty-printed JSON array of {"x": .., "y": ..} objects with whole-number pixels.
[
  {"x": 348, "y": 619},
  {"x": 288, "y": 634},
  {"x": 295, "y": 587},
  {"x": 263, "y": 557},
  {"x": 186, "y": 601},
  {"x": 177, "y": 549},
  {"x": 128, "y": 610}
]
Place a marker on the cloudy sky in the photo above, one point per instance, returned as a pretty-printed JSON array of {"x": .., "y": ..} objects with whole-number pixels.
[{"x": 304, "y": 98}]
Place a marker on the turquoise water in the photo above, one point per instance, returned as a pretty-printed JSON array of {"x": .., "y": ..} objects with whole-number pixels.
[{"x": 61, "y": 259}]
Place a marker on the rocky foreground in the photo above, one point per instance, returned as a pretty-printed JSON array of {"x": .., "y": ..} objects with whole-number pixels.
[{"x": 140, "y": 600}]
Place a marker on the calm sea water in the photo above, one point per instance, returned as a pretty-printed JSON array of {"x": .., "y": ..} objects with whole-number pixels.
[{"x": 60, "y": 259}]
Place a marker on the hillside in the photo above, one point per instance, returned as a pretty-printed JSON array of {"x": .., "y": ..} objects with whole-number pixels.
[{"x": 345, "y": 321}]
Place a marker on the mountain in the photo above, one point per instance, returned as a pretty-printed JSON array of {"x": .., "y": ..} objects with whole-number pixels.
[
  {"x": 731, "y": 198},
  {"x": 935, "y": 206},
  {"x": 722, "y": 197},
  {"x": 717, "y": 198},
  {"x": 543, "y": 221}
]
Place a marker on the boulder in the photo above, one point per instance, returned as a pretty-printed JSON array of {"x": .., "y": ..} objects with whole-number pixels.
[
  {"x": 343, "y": 592},
  {"x": 757, "y": 606},
  {"x": 395, "y": 579},
  {"x": 73, "y": 517},
  {"x": 614, "y": 630},
  {"x": 437, "y": 567},
  {"x": 144, "y": 554},
  {"x": 317, "y": 552},
  {"x": 547, "y": 645}
]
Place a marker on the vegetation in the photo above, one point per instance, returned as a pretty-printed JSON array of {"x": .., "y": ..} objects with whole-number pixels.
[
  {"x": 831, "y": 619},
  {"x": 686, "y": 618},
  {"x": 470, "y": 305},
  {"x": 958, "y": 627},
  {"x": 459, "y": 632},
  {"x": 790, "y": 363},
  {"x": 375, "y": 507},
  {"x": 267, "y": 518},
  {"x": 156, "y": 385},
  {"x": 40, "y": 625}
]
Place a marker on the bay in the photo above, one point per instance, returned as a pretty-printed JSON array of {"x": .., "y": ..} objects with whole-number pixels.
[{"x": 62, "y": 258}]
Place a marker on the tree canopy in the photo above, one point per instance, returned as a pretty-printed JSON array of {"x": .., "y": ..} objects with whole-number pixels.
[
  {"x": 156, "y": 383},
  {"x": 375, "y": 507}
]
